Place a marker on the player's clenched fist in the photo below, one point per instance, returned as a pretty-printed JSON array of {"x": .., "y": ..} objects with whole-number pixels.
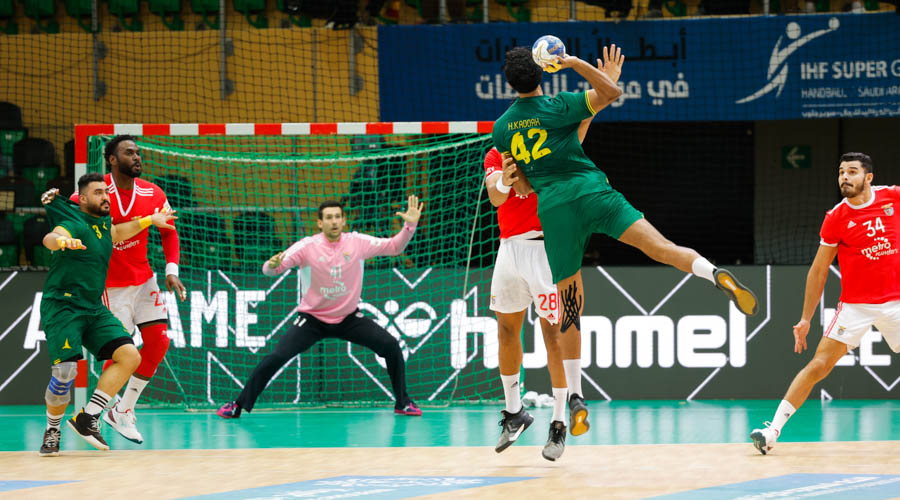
[
  {"x": 275, "y": 260},
  {"x": 48, "y": 196},
  {"x": 65, "y": 243}
]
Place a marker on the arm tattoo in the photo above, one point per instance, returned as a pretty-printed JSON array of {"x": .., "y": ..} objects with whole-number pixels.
[{"x": 571, "y": 304}]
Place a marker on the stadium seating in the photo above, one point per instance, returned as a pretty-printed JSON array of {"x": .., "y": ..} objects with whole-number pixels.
[
  {"x": 170, "y": 13},
  {"x": 128, "y": 13},
  {"x": 9, "y": 248},
  {"x": 254, "y": 11},
  {"x": 43, "y": 12},
  {"x": 81, "y": 11},
  {"x": 260, "y": 241},
  {"x": 7, "y": 14},
  {"x": 206, "y": 243},
  {"x": 11, "y": 132},
  {"x": 33, "y": 232},
  {"x": 209, "y": 11}
]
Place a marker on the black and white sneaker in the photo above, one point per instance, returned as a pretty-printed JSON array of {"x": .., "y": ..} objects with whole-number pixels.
[
  {"x": 50, "y": 447},
  {"x": 578, "y": 414},
  {"x": 88, "y": 427},
  {"x": 556, "y": 442},
  {"x": 513, "y": 424}
]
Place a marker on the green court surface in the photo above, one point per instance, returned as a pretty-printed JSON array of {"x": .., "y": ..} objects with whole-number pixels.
[{"x": 612, "y": 423}]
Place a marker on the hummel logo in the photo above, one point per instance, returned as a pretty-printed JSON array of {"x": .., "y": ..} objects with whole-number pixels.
[{"x": 851, "y": 224}]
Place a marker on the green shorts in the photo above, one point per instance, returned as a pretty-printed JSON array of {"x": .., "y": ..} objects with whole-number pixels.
[
  {"x": 568, "y": 227},
  {"x": 68, "y": 328}
]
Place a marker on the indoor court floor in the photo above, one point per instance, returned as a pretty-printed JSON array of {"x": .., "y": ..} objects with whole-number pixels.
[{"x": 846, "y": 449}]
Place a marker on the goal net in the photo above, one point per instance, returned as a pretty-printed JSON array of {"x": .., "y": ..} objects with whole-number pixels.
[{"x": 245, "y": 196}]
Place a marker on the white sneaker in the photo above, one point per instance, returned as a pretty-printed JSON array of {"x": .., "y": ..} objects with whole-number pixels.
[
  {"x": 123, "y": 423},
  {"x": 764, "y": 439}
]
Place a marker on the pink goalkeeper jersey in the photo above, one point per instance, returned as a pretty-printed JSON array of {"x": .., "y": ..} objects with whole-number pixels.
[{"x": 331, "y": 273}]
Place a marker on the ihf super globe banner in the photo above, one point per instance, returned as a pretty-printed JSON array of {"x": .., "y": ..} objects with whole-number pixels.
[{"x": 754, "y": 68}]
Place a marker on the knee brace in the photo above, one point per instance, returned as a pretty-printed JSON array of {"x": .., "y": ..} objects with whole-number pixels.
[
  {"x": 156, "y": 343},
  {"x": 62, "y": 377}
]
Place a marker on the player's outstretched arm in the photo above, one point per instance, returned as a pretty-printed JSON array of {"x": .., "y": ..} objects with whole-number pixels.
[
  {"x": 60, "y": 239},
  {"x": 125, "y": 230},
  {"x": 815, "y": 285},
  {"x": 604, "y": 90},
  {"x": 413, "y": 210}
]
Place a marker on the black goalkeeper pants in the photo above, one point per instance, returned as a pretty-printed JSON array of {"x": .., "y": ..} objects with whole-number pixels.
[{"x": 307, "y": 330}]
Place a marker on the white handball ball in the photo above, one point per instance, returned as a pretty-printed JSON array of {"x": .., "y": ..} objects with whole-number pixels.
[{"x": 546, "y": 51}]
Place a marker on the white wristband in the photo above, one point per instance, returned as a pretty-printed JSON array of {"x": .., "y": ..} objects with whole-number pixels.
[
  {"x": 503, "y": 188},
  {"x": 172, "y": 268}
]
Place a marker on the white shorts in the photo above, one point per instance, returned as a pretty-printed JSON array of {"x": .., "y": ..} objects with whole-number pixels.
[
  {"x": 852, "y": 321},
  {"x": 521, "y": 277},
  {"x": 136, "y": 305}
]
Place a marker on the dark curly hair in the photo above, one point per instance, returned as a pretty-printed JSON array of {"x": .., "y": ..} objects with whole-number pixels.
[
  {"x": 113, "y": 145},
  {"x": 522, "y": 73}
]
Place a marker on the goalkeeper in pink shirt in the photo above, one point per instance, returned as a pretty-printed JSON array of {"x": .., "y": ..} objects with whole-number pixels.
[{"x": 332, "y": 260}]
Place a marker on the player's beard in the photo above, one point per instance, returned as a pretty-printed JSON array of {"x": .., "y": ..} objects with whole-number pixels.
[
  {"x": 99, "y": 210},
  {"x": 134, "y": 170},
  {"x": 848, "y": 190}
]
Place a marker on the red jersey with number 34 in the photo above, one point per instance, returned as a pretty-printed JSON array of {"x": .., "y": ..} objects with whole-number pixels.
[
  {"x": 128, "y": 265},
  {"x": 518, "y": 214},
  {"x": 867, "y": 238}
]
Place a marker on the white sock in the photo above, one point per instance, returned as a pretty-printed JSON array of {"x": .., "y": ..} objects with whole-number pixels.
[
  {"x": 782, "y": 414},
  {"x": 703, "y": 269},
  {"x": 559, "y": 404},
  {"x": 53, "y": 421},
  {"x": 132, "y": 392},
  {"x": 511, "y": 392},
  {"x": 572, "y": 368},
  {"x": 97, "y": 403}
]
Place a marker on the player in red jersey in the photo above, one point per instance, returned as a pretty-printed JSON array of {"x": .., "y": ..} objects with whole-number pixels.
[
  {"x": 521, "y": 277},
  {"x": 131, "y": 290},
  {"x": 863, "y": 230}
]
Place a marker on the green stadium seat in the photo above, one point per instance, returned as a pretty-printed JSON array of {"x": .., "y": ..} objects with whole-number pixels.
[
  {"x": 7, "y": 13},
  {"x": 128, "y": 12},
  {"x": 40, "y": 11},
  {"x": 33, "y": 151},
  {"x": 170, "y": 13},
  {"x": 208, "y": 11},
  {"x": 11, "y": 132},
  {"x": 81, "y": 11},
  {"x": 33, "y": 232},
  {"x": 254, "y": 11},
  {"x": 23, "y": 191},
  {"x": 205, "y": 242},
  {"x": 296, "y": 12},
  {"x": 9, "y": 248},
  {"x": 258, "y": 241},
  {"x": 517, "y": 9},
  {"x": 40, "y": 176}
]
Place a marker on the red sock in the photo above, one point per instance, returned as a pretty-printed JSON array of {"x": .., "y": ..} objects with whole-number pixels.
[{"x": 156, "y": 343}]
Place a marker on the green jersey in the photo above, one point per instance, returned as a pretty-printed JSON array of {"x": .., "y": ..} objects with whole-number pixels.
[
  {"x": 541, "y": 133},
  {"x": 78, "y": 277}
]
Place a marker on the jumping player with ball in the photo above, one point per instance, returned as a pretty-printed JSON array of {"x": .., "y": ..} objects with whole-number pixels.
[{"x": 575, "y": 198}]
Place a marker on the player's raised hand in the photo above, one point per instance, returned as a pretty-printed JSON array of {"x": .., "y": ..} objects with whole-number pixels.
[
  {"x": 174, "y": 285},
  {"x": 567, "y": 61},
  {"x": 612, "y": 62},
  {"x": 275, "y": 260},
  {"x": 65, "y": 243},
  {"x": 413, "y": 210},
  {"x": 48, "y": 196},
  {"x": 801, "y": 329},
  {"x": 161, "y": 219}
]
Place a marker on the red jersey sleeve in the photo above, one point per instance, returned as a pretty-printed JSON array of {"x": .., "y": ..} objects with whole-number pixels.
[
  {"x": 829, "y": 234},
  {"x": 493, "y": 162},
  {"x": 169, "y": 237},
  {"x": 74, "y": 197}
]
